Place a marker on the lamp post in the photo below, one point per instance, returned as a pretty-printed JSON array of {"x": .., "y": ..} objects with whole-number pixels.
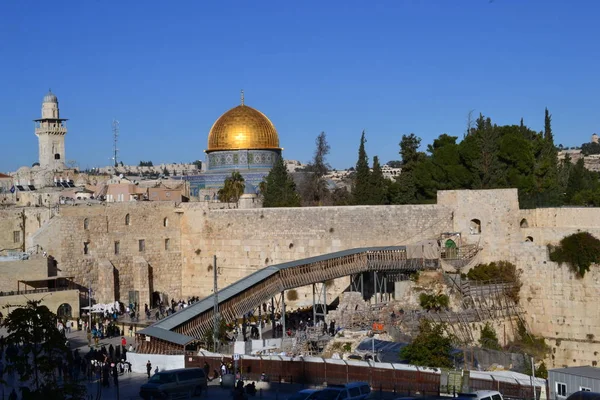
[{"x": 90, "y": 306}]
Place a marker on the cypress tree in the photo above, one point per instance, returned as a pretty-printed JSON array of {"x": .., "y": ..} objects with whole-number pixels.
[
  {"x": 279, "y": 189},
  {"x": 547, "y": 127},
  {"x": 378, "y": 184},
  {"x": 361, "y": 190}
]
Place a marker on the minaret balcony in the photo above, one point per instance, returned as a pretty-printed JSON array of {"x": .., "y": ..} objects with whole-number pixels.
[{"x": 51, "y": 130}]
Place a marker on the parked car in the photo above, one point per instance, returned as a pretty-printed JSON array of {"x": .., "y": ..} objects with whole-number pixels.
[
  {"x": 349, "y": 391},
  {"x": 480, "y": 395},
  {"x": 167, "y": 384},
  {"x": 584, "y": 395},
  {"x": 305, "y": 394}
]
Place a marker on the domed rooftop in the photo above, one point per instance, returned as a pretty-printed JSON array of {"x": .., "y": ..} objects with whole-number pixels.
[
  {"x": 50, "y": 97},
  {"x": 243, "y": 127}
]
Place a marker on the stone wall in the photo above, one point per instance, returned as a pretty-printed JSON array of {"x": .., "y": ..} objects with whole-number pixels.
[
  {"x": 489, "y": 218},
  {"x": 562, "y": 308},
  {"x": 52, "y": 300},
  {"x": 106, "y": 225},
  {"x": 13, "y": 271},
  {"x": 11, "y": 220},
  {"x": 247, "y": 240},
  {"x": 558, "y": 306}
]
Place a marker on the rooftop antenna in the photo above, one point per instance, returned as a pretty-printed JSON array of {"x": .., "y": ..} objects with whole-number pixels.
[
  {"x": 242, "y": 96},
  {"x": 115, "y": 130}
]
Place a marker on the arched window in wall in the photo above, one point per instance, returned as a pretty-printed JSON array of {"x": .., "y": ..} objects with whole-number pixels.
[
  {"x": 475, "y": 227},
  {"x": 166, "y": 222},
  {"x": 127, "y": 219},
  {"x": 524, "y": 223},
  {"x": 529, "y": 239},
  {"x": 86, "y": 224}
]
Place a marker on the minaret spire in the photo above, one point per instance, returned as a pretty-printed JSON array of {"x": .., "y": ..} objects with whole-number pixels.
[{"x": 242, "y": 95}]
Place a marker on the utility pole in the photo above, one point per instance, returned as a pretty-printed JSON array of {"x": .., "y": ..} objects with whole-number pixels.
[
  {"x": 533, "y": 379},
  {"x": 216, "y": 307},
  {"x": 115, "y": 130},
  {"x": 90, "y": 305},
  {"x": 23, "y": 219}
]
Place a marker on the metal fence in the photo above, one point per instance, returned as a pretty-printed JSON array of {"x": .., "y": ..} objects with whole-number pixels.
[{"x": 381, "y": 376}]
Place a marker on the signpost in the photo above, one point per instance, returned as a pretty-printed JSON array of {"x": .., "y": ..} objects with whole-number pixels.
[{"x": 236, "y": 358}]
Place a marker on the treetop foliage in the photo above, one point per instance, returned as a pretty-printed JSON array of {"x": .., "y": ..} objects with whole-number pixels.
[
  {"x": 146, "y": 164},
  {"x": 490, "y": 156},
  {"x": 35, "y": 349},
  {"x": 233, "y": 188}
]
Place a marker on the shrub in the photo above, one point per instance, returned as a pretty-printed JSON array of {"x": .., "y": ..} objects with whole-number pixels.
[
  {"x": 529, "y": 343},
  {"x": 578, "y": 251},
  {"x": 431, "y": 347},
  {"x": 433, "y": 301},
  {"x": 499, "y": 271},
  {"x": 489, "y": 339},
  {"x": 292, "y": 295}
]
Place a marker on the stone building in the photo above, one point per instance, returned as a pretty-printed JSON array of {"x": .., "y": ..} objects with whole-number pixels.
[
  {"x": 242, "y": 139},
  {"x": 51, "y": 130}
]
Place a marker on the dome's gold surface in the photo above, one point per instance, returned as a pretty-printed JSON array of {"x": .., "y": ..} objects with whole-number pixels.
[{"x": 243, "y": 127}]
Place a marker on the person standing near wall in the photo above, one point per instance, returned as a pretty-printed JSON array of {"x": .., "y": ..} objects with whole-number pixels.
[{"x": 148, "y": 368}]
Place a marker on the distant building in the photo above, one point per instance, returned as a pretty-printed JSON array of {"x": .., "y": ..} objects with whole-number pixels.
[
  {"x": 51, "y": 131},
  {"x": 566, "y": 381},
  {"x": 242, "y": 139},
  {"x": 6, "y": 184}
]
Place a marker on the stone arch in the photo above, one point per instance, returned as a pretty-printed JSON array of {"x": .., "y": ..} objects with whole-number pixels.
[
  {"x": 450, "y": 244},
  {"x": 524, "y": 223},
  {"x": 86, "y": 224},
  {"x": 475, "y": 227},
  {"x": 127, "y": 219},
  {"x": 166, "y": 222},
  {"x": 529, "y": 239},
  {"x": 64, "y": 311}
]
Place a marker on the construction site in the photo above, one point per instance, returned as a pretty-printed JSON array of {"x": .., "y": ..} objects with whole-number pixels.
[{"x": 380, "y": 313}]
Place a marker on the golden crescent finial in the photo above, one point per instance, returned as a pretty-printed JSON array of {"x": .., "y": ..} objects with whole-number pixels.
[{"x": 242, "y": 96}]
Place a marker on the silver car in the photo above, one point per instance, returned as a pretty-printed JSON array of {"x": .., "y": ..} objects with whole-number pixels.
[{"x": 168, "y": 384}]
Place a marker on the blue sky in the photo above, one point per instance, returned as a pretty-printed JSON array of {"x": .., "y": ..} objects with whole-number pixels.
[{"x": 168, "y": 70}]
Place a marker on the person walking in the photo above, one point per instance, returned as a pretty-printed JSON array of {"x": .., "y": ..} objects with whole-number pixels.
[{"x": 148, "y": 368}]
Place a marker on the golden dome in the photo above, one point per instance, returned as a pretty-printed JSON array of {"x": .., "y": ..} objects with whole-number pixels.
[{"x": 243, "y": 127}]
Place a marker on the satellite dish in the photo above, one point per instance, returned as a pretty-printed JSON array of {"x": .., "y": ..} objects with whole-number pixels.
[{"x": 121, "y": 176}]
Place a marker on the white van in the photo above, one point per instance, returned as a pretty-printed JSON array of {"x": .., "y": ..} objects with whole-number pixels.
[
  {"x": 349, "y": 391},
  {"x": 480, "y": 395}
]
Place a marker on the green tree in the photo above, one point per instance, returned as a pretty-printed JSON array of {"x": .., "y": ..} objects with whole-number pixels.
[
  {"x": 232, "y": 189},
  {"x": 165, "y": 172},
  {"x": 361, "y": 190},
  {"x": 433, "y": 301},
  {"x": 488, "y": 338},
  {"x": 279, "y": 189},
  {"x": 314, "y": 188},
  {"x": 579, "y": 180},
  {"x": 404, "y": 191},
  {"x": 378, "y": 184},
  {"x": 42, "y": 350},
  {"x": 431, "y": 348},
  {"x": 579, "y": 251}
]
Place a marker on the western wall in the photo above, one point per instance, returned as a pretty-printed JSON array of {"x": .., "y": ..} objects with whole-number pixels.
[{"x": 181, "y": 239}]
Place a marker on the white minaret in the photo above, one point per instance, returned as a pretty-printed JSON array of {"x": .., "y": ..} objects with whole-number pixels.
[{"x": 51, "y": 131}]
